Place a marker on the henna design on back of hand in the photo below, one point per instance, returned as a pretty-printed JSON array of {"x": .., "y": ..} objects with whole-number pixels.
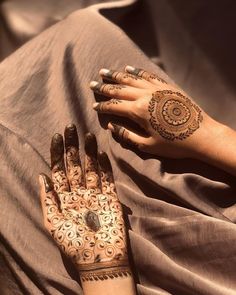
[{"x": 173, "y": 115}]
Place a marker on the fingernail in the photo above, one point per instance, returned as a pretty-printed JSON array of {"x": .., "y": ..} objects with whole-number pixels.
[
  {"x": 111, "y": 127},
  {"x": 71, "y": 126},
  {"x": 106, "y": 72},
  {"x": 90, "y": 145},
  {"x": 132, "y": 70},
  {"x": 104, "y": 161},
  {"x": 57, "y": 150},
  {"x": 71, "y": 137},
  {"x": 48, "y": 185},
  {"x": 96, "y": 106},
  {"x": 94, "y": 84}
]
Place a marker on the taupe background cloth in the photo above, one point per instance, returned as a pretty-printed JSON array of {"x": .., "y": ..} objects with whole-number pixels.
[{"x": 181, "y": 213}]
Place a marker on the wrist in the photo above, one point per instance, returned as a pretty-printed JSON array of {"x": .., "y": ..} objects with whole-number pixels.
[
  {"x": 104, "y": 270},
  {"x": 217, "y": 147},
  {"x": 211, "y": 134},
  {"x": 107, "y": 277}
]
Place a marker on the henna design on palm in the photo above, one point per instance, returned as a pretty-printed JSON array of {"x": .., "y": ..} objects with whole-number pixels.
[{"x": 85, "y": 216}]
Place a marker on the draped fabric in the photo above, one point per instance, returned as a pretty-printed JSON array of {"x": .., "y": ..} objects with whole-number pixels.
[{"x": 180, "y": 213}]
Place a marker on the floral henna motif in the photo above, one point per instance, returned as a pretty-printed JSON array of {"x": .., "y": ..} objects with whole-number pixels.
[{"x": 173, "y": 115}]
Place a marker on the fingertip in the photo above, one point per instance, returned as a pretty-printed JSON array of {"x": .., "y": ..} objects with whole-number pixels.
[
  {"x": 90, "y": 144},
  {"x": 93, "y": 84},
  {"x": 104, "y": 72},
  {"x": 104, "y": 161},
  {"x": 95, "y": 106},
  {"x": 71, "y": 136},
  {"x": 45, "y": 182},
  {"x": 110, "y": 127},
  {"x": 129, "y": 68}
]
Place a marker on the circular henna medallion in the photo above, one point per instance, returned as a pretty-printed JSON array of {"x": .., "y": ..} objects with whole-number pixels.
[{"x": 173, "y": 115}]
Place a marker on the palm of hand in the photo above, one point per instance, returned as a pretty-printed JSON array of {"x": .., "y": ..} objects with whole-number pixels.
[
  {"x": 91, "y": 228},
  {"x": 82, "y": 211}
]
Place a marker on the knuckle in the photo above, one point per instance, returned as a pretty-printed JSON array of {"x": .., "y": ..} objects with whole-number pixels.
[
  {"x": 143, "y": 146},
  {"x": 110, "y": 89},
  {"x": 139, "y": 110},
  {"x": 104, "y": 107},
  {"x": 125, "y": 78}
]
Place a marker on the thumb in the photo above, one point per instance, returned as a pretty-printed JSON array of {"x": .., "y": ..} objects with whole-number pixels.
[
  {"x": 48, "y": 196},
  {"x": 127, "y": 136},
  {"x": 45, "y": 184}
]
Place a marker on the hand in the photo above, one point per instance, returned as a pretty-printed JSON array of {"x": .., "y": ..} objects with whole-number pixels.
[
  {"x": 175, "y": 126},
  {"x": 82, "y": 211}
]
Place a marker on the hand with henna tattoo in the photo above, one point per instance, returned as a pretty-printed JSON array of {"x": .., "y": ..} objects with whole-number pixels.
[
  {"x": 174, "y": 125},
  {"x": 82, "y": 211}
]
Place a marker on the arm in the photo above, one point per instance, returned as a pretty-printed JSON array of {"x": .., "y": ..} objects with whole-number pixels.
[
  {"x": 218, "y": 148},
  {"x": 83, "y": 214},
  {"x": 174, "y": 125}
]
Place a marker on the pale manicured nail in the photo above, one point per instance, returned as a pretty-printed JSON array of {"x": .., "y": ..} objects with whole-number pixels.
[
  {"x": 93, "y": 84},
  {"x": 95, "y": 105},
  {"x": 111, "y": 127},
  {"x": 130, "y": 69},
  {"x": 104, "y": 72}
]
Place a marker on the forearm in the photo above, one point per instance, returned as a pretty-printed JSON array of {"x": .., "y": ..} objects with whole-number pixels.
[
  {"x": 218, "y": 148},
  {"x": 106, "y": 282}
]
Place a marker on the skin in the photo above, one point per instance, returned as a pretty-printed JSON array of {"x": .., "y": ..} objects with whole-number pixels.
[
  {"x": 175, "y": 126},
  {"x": 84, "y": 216}
]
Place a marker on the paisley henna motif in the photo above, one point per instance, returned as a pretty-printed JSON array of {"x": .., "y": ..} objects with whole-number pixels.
[
  {"x": 88, "y": 223},
  {"x": 85, "y": 244}
]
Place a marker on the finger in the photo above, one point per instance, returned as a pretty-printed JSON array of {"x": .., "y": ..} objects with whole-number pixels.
[
  {"x": 73, "y": 163},
  {"x": 91, "y": 166},
  {"x": 125, "y": 78},
  {"x": 52, "y": 215},
  {"x": 58, "y": 165},
  {"x": 129, "y": 137},
  {"x": 107, "y": 180},
  {"x": 118, "y": 91},
  {"x": 150, "y": 77},
  {"x": 116, "y": 107}
]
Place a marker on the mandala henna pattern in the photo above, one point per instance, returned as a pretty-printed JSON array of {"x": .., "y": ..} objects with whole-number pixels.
[{"x": 173, "y": 115}]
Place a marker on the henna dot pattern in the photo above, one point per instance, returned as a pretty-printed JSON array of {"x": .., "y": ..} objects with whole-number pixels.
[{"x": 173, "y": 115}]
